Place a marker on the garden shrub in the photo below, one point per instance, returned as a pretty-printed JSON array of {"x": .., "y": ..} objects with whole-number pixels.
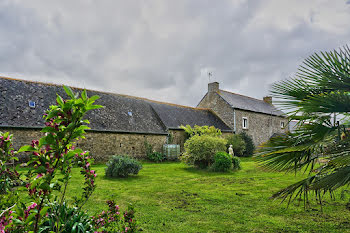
[
  {"x": 71, "y": 218},
  {"x": 236, "y": 163},
  {"x": 222, "y": 162},
  {"x": 156, "y": 157},
  {"x": 238, "y": 144},
  {"x": 249, "y": 144},
  {"x": 122, "y": 166},
  {"x": 200, "y": 150},
  {"x": 152, "y": 155}
]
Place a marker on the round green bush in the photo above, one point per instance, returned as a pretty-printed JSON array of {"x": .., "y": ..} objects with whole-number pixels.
[
  {"x": 222, "y": 162},
  {"x": 200, "y": 150},
  {"x": 122, "y": 166},
  {"x": 236, "y": 163}
]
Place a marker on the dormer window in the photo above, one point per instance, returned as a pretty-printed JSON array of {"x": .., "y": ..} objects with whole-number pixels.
[
  {"x": 245, "y": 122},
  {"x": 32, "y": 104}
]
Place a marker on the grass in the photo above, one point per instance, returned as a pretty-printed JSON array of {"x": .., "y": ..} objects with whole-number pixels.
[{"x": 172, "y": 197}]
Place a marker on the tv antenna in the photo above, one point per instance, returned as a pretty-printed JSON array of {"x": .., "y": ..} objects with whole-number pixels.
[{"x": 209, "y": 75}]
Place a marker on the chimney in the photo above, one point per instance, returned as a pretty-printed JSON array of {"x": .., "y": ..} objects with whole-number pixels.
[
  {"x": 268, "y": 99},
  {"x": 213, "y": 87}
]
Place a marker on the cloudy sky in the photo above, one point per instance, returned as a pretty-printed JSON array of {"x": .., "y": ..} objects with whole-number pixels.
[{"x": 163, "y": 49}]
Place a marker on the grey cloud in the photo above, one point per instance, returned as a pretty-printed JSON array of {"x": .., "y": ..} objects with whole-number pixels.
[{"x": 158, "y": 49}]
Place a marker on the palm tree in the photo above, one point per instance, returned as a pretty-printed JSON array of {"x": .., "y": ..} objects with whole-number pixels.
[{"x": 318, "y": 93}]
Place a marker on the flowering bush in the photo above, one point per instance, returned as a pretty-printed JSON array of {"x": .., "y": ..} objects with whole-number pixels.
[
  {"x": 122, "y": 166},
  {"x": 52, "y": 154},
  {"x": 8, "y": 177},
  {"x": 113, "y": 221}
]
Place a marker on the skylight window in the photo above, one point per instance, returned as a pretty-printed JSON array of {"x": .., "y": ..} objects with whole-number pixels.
[{"x": 32, "y": 104}]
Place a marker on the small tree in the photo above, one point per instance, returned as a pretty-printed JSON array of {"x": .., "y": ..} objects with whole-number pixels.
[
  {"x": 249, "y": 144},
  {"x": 53, "y": 154}
]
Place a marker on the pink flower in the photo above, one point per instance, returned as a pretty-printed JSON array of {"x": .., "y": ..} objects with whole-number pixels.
[
  {"x": 32, "y": 206},
  {"x": 39, "y": 175}
]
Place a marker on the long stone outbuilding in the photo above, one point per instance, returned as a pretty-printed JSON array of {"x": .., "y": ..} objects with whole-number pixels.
[
  {"x": 122, "y": 127},
  {"x": 127, "y": 122}
]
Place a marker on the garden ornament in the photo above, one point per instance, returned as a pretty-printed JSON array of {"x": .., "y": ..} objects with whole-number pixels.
[{"x": 230, "y": 151}]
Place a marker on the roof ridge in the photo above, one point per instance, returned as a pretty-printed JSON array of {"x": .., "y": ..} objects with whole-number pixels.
[
  {"x": 105, "y": 92},
  {"x": 244, "y": 96}
]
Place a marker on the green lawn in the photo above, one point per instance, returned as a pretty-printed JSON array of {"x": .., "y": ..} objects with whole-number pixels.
[{"x": 171, "y": 197}]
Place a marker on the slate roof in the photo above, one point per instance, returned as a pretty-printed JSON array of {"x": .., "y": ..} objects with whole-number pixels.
[
  {"x": 121, "y": 113},
  {"x": 174, "y": 116},
  {"x": 249, "y": 103}
]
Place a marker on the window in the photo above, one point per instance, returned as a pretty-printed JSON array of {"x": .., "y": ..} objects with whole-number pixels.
[
  {"x": 282, "y": 124},
  {"x": 245, "y": 122},
  {"x": 31, "y": 104}
]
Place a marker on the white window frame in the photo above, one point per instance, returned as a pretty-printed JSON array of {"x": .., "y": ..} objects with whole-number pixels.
[
  {"x": 245, "y": 119},
  {"x": 282, "y": 125}
]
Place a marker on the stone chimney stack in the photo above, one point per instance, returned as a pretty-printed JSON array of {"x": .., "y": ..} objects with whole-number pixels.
[
  {"x": 213, "y": 87},
  {"x": 268, "y": 99}
]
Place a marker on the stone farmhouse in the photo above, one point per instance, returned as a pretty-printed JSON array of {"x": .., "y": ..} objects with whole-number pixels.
[
  {"x": 127, "y": 122},
  {"x": 259, "y": 118}
]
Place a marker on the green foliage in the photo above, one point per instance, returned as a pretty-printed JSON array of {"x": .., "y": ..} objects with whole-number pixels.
[
  {"x": 249, "y": 144},
  {"x": 238, "y": 144},
  {"x": 222, "y": 162},
  {"x": 200, "y": 150},
  {"x": 319, "y": 91},
  {"x": 54, "y": 153},
  {"x": 72, "y": 219},
  {"x": 201, "y": 130},
  {"x": 148, "y": 148},
  {"x": 113, "y": 221},
  {"x": 122, "y": 166},
  {"x": 156, "y": 157},
  {"x": 152, "y": 155},
  {"x": 170, "y": 138},
  {"x": 236, "y": 163}
]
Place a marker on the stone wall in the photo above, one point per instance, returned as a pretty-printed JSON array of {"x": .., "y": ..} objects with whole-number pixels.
[
  {"x": 179, "y": 137},
  {"x": 100, "y": 144},
  {"x": 260, "y": 126},
  {"x": 221, "y": 108}
]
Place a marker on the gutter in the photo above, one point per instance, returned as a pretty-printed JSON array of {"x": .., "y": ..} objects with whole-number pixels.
[{"x": 234, "y": 120}]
